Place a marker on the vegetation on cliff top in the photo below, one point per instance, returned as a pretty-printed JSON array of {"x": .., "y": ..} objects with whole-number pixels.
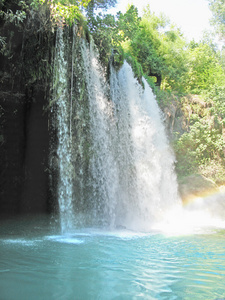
[{"x": 189, "y": 75}]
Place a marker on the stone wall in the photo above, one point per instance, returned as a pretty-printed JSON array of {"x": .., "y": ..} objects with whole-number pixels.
[{"x": 25, "y": 87}]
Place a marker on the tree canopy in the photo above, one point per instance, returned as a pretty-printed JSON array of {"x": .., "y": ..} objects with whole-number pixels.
[{"x": 218, "y": 9}]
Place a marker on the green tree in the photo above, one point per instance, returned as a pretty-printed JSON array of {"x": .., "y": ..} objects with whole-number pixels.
[
  {"x": 128, "y": 23},
  {"x": 102, "y": 29},
  {"x": 173, "y": 50},
  {"x": 158, "y": 46},
  {"x": 218, "y": 9},
  {"x": 139, "y": 40},
  {"x": 204, "y": 69},
  {"x": 99, "y": 4}
]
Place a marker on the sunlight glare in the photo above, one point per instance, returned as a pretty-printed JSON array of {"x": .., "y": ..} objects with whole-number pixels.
[{"x": 181, "y": 221}]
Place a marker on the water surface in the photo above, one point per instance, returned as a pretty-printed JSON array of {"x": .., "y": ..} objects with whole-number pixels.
[{"x": 36, "y": 262}]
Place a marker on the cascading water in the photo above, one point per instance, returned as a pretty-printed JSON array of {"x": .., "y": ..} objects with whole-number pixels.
[
  {"x": 148, "y": 185},
  {"x": 103, "y": 165},
  {"x": 61, "y": 96},
  {"x": 115, "y": 164}
]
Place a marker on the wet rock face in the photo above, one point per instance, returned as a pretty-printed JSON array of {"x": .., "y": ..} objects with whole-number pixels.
[
  {"x": 12, "y": 154},
  {"x": 24, "y": 121}
]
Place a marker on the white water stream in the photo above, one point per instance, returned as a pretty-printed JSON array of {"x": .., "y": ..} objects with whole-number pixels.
[
  {"x": 62, "y": 97},
  {"x": 148, "y": 185}
]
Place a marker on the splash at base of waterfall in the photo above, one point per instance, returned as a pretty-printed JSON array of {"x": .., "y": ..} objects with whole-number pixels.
[{"x": 202, "y": 215}]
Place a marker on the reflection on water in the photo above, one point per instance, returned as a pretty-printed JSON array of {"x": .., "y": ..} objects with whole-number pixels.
[{"x": 36, "y": 262}]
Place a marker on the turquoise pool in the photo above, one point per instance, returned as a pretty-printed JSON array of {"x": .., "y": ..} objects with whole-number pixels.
[{"x": 37, "y": 262}]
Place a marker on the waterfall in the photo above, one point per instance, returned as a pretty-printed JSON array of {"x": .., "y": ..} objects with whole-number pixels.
[
  {"x": 147, "y": 179},
  {"x": 103, "y": 167},
  {"x": 116, "y": 168},
  {"x": 61, "y": 96}
]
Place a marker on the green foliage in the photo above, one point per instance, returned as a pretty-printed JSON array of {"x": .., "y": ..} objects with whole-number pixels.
[
  {"x": 98, "y": 4},
  {"x": 159, "y": 51},
  {"x": 118, "y": 57},
  {"x": 9, "y": 16},
  {"x": 13, "y": 17},
  {"x": 2, "y": 43},
  {"x": 127, "y": 24},
  {"x": 173, "y": 50},
  {"x": 102, "y": 29},
  {"x": 63, "y": 11},
  {"x": 217, "y": 93},
  {"x": 198, "y": 147},
  {"x": 218, "y": 9},
  {"x": 202, "y": 148},
  {"x": 143, "y": 48},
  {"x": 204, "y": 69},
  {"x": 203, "y": 144},
  {"x": 136, "y": 67},
  {"x": 140, "y": 40}
]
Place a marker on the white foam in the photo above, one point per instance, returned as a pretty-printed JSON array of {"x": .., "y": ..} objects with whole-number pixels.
[
  {"x": 20, "y": 241},
  {"x": 67, "y": 239}
]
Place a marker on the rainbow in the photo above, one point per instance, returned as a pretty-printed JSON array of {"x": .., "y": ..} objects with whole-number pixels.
[{"x": 191, "y": 198}]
